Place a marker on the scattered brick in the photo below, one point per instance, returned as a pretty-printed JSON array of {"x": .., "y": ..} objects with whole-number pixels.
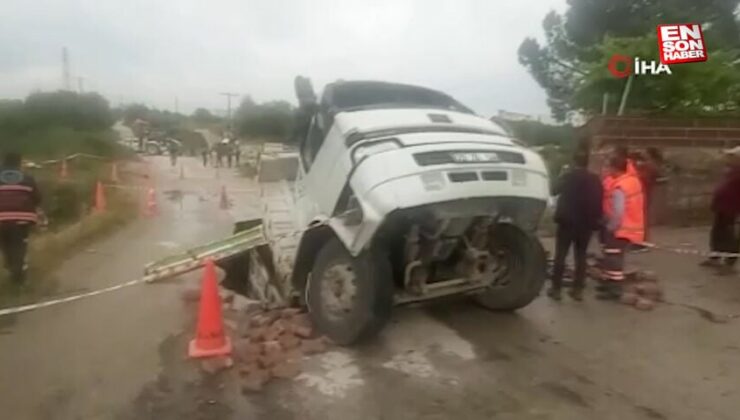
[
  {"x": 289, "y": 341},
  {"x": 649, "y": 290},
  {"x": 290, "y": 312},
  {"x": 257, "y": 334},
  {"x": 269, "y": 347},
  {"x": 274, "y": 331},
  {"x": 644, "y": 304},
  {"x": 286, "y": 370},
  {"x": 302, "y": 331},
  {"x": 271, "y": 359},
  {"x": 628, "y": 298},
  {"x": 258, "y": 320},
  {"x": 314, "y": 346},
  {"x": 294, "y": 354},
  {"x": 247, "y": 351}
]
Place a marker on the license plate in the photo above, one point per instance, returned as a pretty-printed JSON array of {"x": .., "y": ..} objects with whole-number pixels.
[{"x": 475, "y": 157}]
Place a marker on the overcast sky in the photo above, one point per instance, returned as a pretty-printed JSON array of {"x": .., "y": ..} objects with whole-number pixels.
[{"x": 152, "y": 51}]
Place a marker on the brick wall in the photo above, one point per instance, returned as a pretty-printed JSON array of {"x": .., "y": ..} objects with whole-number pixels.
[{"x": 685, "y": 198}]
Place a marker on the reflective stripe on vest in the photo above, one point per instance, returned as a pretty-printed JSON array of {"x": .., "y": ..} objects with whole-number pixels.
[
  {"x": 632, "y": 226},
  {"x": 18, "y": 216},
  {"x": 23, "y": 188}
]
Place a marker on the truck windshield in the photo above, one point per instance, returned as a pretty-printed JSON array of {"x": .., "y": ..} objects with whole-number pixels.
[{"x": 353, "y": 96}]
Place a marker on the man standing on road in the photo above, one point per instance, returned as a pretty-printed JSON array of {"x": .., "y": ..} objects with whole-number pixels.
[
  {"x": 19, "y": 212},
  {"x": 578, "y": 214},
  {"x": 726, "y": 207},
  {"x": 204, "y": 154},
  {"x": 625, "y": 224},
  {"x": 173, "y": 148},
  {"x": 237, "y": 151}
]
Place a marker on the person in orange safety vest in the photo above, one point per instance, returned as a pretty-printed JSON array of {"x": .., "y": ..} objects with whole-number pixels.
[{"x": 625, "y": 224}]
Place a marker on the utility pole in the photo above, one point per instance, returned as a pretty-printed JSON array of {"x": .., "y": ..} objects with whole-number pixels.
[
  {"x": 228, "y": 106},
  {"x": 65, "y": 70},
  {"x": 625, "y": 95},
  {"x": 81, "y": 84},
  {"x": 177, "y": 105}
]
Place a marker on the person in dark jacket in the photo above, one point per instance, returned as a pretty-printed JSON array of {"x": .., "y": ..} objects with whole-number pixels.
[
  {"x": 724, "y": 236},
  {"x": 578, "y": 214},
  {"x": 19, "y": 212}
]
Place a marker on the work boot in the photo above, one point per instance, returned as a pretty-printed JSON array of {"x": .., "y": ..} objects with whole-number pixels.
[
  {"x": 611, "y": 291},
  {"x": 576, "y": 293},
  {"x": 555, "y": 293}
]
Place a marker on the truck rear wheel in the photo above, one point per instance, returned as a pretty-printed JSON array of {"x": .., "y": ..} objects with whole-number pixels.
[
  {"x": 520, "y": 270},
  {"x": 349, "y": 298}
]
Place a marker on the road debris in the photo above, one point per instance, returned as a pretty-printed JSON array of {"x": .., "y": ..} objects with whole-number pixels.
[{"x": 272, "y": 344}]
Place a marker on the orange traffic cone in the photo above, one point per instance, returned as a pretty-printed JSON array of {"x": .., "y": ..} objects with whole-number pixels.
[
  {"x": 210, "y": 339},
  {"x": 224, "y": 199},
  {"x": 100, "y": 203},
  {"x": 150, "y": 205},
  {"x": 114, "y": 173},
  {"x": 63, "y": 171}
]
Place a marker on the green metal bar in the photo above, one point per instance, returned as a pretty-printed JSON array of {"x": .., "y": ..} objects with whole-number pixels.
[{"x": 219, "y": 249}]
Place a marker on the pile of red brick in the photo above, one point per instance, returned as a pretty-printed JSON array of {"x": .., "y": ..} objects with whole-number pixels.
[
  {"x": 272, "y": 345},
  {"x": 642, "y": 291}
]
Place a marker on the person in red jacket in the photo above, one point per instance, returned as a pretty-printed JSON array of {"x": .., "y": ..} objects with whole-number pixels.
[
  {"x": 724, "y": 235},
  {"x": 19, "y": 212}
]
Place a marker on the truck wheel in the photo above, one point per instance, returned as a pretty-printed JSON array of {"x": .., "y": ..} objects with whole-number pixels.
[
  {"x": 520, "y": 270},
  {"x": 349, "y": 299}
]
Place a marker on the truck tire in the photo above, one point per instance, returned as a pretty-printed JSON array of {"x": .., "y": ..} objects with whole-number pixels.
[
  {"x": 523, "y": 269},
  {"x": 349, "y": 298}
]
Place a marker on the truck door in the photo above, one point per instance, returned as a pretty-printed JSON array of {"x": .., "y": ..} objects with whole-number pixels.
[{"x": 316, "y": 188}]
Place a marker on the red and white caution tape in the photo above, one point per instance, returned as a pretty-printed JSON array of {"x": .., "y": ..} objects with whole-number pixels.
[
  {"x": 54, "y": 302},
  {"x": 696, "y": 252}
]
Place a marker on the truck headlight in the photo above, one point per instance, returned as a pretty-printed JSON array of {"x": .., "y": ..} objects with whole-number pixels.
[{"x": 367, "y": 149}]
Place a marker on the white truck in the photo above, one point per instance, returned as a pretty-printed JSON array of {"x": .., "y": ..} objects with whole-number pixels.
[
  {"x": 395, "y": 194},
  {"x": 391, "y": 194}
]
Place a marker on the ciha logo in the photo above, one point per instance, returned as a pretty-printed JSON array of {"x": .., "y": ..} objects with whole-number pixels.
[
  {"x": 681, "y": 44},
  {"x": 624, "y": 66}
]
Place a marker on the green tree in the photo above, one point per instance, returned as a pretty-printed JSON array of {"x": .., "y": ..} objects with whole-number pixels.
[
  {"x": 711, "y": 87},
  {"x": 203, "y": 116},
  {"x": 270, "y": 119},
  {"x": 576, "y": 41}
]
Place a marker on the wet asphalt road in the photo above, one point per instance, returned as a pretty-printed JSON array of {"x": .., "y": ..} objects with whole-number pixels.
[{"x": 121, "y": 355}]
